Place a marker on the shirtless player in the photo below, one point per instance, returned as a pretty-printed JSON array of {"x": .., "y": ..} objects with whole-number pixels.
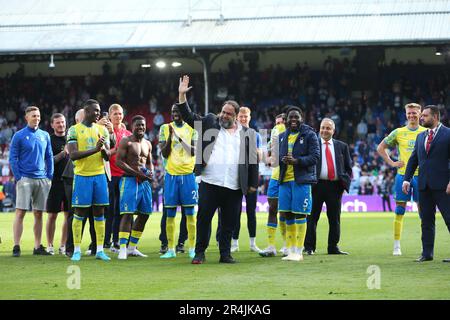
[{"x": 134, "y": 157}]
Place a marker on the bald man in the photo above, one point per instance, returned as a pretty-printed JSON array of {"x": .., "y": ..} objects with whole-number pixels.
[{"x": 334, "y": 171}]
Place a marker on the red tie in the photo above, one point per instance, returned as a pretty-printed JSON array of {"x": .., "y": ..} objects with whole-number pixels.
[
  {"x": 330, "y": 163},
  {"x": 430, "y": 139}
]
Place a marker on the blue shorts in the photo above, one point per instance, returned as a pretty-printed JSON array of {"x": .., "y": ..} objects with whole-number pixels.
[
  {"x": 399, "y": 196},
  {"x": 135, "y": 197},
  {"x": 90, "y": 191},
  {"x": 295, "y": 198},
  {"x": 272, "y": 191},
  {"x": 180, "y": 190}
]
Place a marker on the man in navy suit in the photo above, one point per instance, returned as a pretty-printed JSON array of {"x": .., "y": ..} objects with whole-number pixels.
[{"x": 432, "y": 155}]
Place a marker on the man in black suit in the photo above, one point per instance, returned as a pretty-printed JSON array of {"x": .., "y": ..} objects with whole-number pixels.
[
  {"x": 334, "y": 170},
  {"x": 226, "y": 160},
  {"x": 432, "y": 155}
]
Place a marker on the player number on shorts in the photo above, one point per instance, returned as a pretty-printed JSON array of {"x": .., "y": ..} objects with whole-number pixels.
[{"x": 195, "y": 195}]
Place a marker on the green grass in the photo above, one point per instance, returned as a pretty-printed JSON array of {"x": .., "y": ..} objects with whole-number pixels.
[{"x": 368, "y": 238}]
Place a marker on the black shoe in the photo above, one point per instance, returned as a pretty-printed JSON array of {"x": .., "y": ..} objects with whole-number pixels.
[
  {"x": 163, "y": 249},
  {"x": 309, "y": 252},
  {"x": 198, "y": 259},
  {"x": 180, "y": 248},
  {"x": 16, "y": 251},
  {"x": 107, "y": 245},
  {"x": 41, "y": 251},
  {"x": 116, "y": 246},
  {"x": 227, "y": 259},
  {"x": 69, "y": 253},
  {"x": 336, "y": 251},
  {"x": 446, "y": 260},
  {"x": 422, "y": 259}
]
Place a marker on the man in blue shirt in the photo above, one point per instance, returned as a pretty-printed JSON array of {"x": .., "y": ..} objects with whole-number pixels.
[{"x": 31, "y": 160}]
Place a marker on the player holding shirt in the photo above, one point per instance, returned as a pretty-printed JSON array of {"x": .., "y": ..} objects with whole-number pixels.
[
  {"x": 134, "y": 157},
  {"x": 88, "y": 145},
  {"x": 404, "y": 139},
  {"x": 177, "y": 141}
]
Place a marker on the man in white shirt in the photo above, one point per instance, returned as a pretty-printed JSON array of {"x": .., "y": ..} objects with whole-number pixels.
[{"x": 227, "y": 162}]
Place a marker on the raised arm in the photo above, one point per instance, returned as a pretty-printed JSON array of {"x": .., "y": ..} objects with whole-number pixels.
[{"x": 186, "y": 113}]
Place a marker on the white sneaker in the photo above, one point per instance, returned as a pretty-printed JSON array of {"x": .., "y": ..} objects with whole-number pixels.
[
  {"x": 136, "y": 253},
  {"x": 62, "y": 250},
  {"x": 293, "y": 257},
  {"x": 234, "y": 248},
  {"x": 113, "y": 250},
  {"x": 50, "y": 250},
  {"x": 255, "y": 248},
  {"x": 397, "y": 251},
  {"x": 284, "y": 251},
  {"x": 88, "y": 252},
  {"x": 268, "y": 252},
  {"x": 122, "y": 254}
]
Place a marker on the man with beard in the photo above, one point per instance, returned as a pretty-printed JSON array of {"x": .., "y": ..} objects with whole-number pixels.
[
  {"x": 134, "y": 157},
  {"x": 88, "y": 145},
  {"x": 299, "y": 153},
  {"x": 226, "y": 160},
  {"x": 57, "y": 198},
  {"x": 432, "y": 155},
  {"x": 180, "y": 189}
]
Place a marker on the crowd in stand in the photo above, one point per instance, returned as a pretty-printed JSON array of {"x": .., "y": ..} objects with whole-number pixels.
[{"x": 363, "y": 116}]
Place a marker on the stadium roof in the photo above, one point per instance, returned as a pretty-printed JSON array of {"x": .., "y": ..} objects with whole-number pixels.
[{"x": 39, "y": 26}]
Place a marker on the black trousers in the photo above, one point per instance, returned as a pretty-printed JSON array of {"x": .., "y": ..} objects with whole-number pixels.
[
  {"x": 386, "y": 200},
  {"x": 250, "y": 200},
  {"x": 182, "y": 232},
  {"x": 428, "y": 200},
  {"x": 329, "y": 192},
  {"x": 68, "y": 184},
  {"x": 112, "y": 214},
  {"x": 212, "y": 197}
]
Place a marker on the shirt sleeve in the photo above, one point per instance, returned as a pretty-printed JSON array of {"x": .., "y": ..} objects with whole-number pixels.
[
  {"x": 391, "y": 139},
  {"x": 49, "y": 158},
  {"x": 14, "y": 151},
  {"x": 162, "y": 134},
  {"x": 72, "y": 135}
]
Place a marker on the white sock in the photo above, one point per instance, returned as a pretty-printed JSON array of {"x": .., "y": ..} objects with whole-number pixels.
[
  {"x": 300, "y": 251},
  {"x": 252, "y": 242},
  {"x": 99, "y": 247},
  {"x": 77, "y": 249},
  {"x": 235, "y": 242},
  {"x": 131, "y": 248},
  {"x": 396, "y": 243}
]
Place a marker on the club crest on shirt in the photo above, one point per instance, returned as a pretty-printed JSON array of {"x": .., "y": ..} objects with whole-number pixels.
[{"x": 301, "y": 140}]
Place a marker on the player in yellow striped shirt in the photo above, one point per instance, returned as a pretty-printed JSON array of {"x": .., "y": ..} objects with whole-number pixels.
[
  {"x": 88, "y": 145},
  {"x": 272, "y": 192},
  {"x": 177, "y": 141},
  {"x": 404, "y": 139}
]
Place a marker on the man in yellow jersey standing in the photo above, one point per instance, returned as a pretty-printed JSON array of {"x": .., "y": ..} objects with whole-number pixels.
[
  {"x": 177, "y": 141},
  {"x": 272, "y": 192},
  {"x": 404, "y": 139},
  {"x": 88, "y": 145}
]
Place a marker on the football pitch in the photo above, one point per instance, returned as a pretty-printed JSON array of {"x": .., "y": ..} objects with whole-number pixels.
[{"x": 369, "y": 272}]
